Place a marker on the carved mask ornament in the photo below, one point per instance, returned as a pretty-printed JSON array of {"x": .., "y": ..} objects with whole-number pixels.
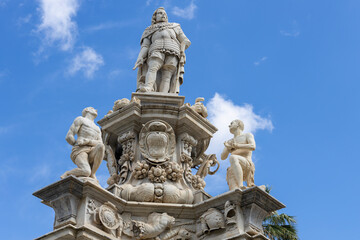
[{"x": 157, "y": 141}]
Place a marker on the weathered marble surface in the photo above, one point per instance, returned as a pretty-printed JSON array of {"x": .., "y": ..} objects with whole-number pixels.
[
  {"x": 162, "y": 58},
  {"x": 240, "y": 147},
  {"x": 199, "y": 107},
  {"x": 155, "y": 148},
  {"x": 86, "y": 211},
  {"x": 88, "y": 149},
  {"x": 153, "y": 144}
]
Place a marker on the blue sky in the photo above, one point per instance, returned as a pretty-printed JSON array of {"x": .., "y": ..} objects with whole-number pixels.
[{"x": 288, "y": 68}]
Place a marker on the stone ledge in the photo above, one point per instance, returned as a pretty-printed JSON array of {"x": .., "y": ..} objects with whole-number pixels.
[
  {"x": 69, "y": 198},
  {"x": 261, "y": 198},
  {"x": 127, "y": 116},
  {"x": 81, "y": 189},
  {"x": 70, "y": 232},
  {"x": 53, "y": 191},
  {"x": 159, "y": 98}
]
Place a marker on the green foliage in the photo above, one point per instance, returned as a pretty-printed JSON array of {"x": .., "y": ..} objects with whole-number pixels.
[{"x": 280, "y": 226}]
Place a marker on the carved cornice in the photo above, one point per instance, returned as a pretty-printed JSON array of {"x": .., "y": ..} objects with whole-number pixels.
[{"x": 74, "y": 186}]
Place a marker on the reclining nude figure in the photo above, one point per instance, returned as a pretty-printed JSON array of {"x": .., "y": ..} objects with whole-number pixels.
[
  {"x": 88, "y": 149},
  {"x": 240, "y": 147}
]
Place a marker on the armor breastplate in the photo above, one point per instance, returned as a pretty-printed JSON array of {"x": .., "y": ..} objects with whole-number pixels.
[{"x": 166, "y": 45}]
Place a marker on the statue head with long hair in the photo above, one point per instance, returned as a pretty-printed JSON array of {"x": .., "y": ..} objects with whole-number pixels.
[{"x": 159, "y": 16}]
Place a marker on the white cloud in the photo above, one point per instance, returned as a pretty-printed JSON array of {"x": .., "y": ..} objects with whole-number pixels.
[
  {"x": 102, "y": 26},
  {"x": 88, "y": 61},
  {"x": 24, "y": 20},
  {"x": 222, "y": 112},
  {"x": 57, "y": 24},
  {"x": 115, "y": 73},
  {"x": 148, "y": 2},
  {"x": 109, "y": 25},
  {"x": 187, "y": 13},
  {"x": 260, "y": 61},
  {"x": 293, "y": 33}
]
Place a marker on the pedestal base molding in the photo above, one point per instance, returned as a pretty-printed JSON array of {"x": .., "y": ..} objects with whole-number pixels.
[{"x": 84, "y": 210}]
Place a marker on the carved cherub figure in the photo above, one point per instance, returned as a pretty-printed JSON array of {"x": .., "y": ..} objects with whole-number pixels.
[
  {"x": 240, "y": 147},
  {"x": 88, "y": 149},
  {"x": 199, "y": 107},
  {"x": 118, "y": 104}
]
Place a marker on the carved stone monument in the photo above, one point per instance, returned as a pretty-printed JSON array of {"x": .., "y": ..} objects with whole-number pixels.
[{"x": 155, "y": 148}]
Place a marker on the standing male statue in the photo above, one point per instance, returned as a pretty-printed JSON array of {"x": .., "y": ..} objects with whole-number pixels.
[
  {"x": 162, "y": 56},
  {"x": 240, "y": 147},
  {"x": 88, "y": 149}
]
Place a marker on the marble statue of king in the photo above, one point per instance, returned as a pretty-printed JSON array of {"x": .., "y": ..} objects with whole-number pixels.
[{"x": 162, "y": 56}]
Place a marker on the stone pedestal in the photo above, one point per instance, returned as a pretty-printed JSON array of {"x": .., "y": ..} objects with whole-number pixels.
[{"x": 86, "y": 211}]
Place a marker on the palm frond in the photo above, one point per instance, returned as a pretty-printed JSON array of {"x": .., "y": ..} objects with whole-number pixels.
[
  {"x": 279, "y": 226},
  {"x": 283, "y": 232},
  {"x": 280, "y": 219},
  {"x": 268, "y": 188}
]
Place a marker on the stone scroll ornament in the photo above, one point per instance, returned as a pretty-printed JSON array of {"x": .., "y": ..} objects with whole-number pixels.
[
  {"x": 112, "y": 165},
  {"x": 119, "y": 169},
  {"x": 207, "y": 161},
  {"x": 204, "y": 169},
  {"x": 127, "y": 141},
  {"x": 157, "y": 141}
]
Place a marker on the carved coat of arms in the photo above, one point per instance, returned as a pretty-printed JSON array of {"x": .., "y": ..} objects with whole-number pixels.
[{"x": 157, "y": 141}]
